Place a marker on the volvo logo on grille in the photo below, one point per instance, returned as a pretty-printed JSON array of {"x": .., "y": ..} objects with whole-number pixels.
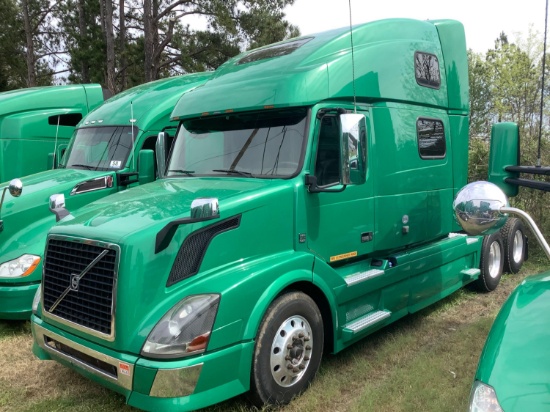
[{"x": 75, "y": 279}]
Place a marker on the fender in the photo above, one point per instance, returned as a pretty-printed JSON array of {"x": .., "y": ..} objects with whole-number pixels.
[{"x": 270, "y": 293}]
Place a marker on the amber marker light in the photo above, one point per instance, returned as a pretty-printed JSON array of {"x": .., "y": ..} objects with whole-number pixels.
[{"x": 199, "y": 343}]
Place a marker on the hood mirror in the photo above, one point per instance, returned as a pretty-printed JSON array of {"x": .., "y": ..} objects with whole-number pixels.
[
  {"x": 15, "y": 188},
  {"x": 57, "y": 206},
  {"x": 204, "y": 208},
  {"x": 481, "y": 208},
  {"x": 478, "y": 207}
]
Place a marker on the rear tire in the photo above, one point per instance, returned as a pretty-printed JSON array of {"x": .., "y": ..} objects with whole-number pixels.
[
  {"x": 492, "y": 263},
  {"x": 513, "y": 236},
  {"x": 288, "y": 349}
]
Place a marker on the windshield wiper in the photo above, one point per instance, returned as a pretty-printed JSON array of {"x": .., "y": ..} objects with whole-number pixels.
[
  {"x": 86, "y": 166},
  {"x": 233, "y": 171},
  {"x": 185, "y": 172}
]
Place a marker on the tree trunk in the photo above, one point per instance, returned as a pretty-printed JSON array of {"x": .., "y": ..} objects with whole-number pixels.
[
  {"x": 122, "y": 46},
  {"x": 31, "y": 70},
  {"x": 148, "y": 39},
  {"x": 110, "y": 39},
  {"x": 83, "y": 28}
]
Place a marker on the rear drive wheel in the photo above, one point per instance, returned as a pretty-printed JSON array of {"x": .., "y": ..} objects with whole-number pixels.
[
  {"x": 513, "y": 236},
  {"x": 288, "y": 349},
  {"x": 492, "y": 263}
]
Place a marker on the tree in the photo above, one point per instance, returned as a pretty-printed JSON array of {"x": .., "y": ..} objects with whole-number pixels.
[
  {"x": 13, "y": 71},
  {"x": 41, "y": 44},
  {"x": 233, "y": 25}
]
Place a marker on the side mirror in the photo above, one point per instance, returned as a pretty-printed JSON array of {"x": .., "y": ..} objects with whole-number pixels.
[
  {"x": 353, "y": 148},
  {"x": 161, "y": 151},
  {"x": 146, "y": 166},
  {"x": 504, "y": 152}
]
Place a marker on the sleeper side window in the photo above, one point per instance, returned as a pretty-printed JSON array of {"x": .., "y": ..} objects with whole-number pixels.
[
  {"x": 327, "y": 163},
  {"x": 431, "y": 138},
  {"x": 426, "y": 70}
]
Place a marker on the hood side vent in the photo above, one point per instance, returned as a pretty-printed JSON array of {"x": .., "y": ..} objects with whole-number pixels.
[{"x": 191, "y": 253}]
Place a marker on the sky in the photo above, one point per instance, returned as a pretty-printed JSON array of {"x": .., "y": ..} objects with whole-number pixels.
[{"x": 483, "y": 20}]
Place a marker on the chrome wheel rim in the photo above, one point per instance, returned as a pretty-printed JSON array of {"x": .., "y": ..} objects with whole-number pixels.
[
  {"x": 291, "y": 351},
  {"x": 495, "y": 257},
  {"x": 517, "y": 251}
]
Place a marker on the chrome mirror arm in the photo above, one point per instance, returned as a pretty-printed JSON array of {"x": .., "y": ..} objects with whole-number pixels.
[{"x": 529, "y": 220}]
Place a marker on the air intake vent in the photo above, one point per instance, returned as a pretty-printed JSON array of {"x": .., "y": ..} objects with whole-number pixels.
[{"x": 191, "y": 253}]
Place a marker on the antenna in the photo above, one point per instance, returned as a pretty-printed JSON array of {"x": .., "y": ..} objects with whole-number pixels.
[
  {"x": 132, "y": 121},
  {"x": 55, "y": 144},
  {"x": 353, "y": 60},
  {"x": 542, "y": 89}
]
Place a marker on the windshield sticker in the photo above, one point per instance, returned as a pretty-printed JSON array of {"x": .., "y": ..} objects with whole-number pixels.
[{"x": 115, "y": 163}]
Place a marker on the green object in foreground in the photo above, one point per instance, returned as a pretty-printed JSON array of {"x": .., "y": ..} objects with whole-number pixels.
[
  {"x": 290, "y": 222},
  {"x": 515, "y": 362},
  {"x": 99, "y": 161}
]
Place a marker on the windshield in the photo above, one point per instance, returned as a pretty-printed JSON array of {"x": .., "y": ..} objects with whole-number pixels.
[
  {"x": 99, "y": 148},
  {"x": 262, "y": 144}
]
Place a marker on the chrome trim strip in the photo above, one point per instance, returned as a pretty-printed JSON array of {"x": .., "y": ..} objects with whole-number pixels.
[
  {"x": 74, "y": 325},
  {"x": 175, "y": 383},
  {"x": 123, "y": 380},
  {"x": 76, "y": 190}
]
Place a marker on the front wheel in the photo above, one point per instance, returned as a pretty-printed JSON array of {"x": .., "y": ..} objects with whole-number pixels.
[
  {"x": 288, "y": 349},
  {"x": 492, "y": 263}
]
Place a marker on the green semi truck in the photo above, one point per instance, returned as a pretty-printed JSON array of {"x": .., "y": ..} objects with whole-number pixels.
[
  {"x": 111, "y": 149},
  {"x": 37, "y": 122},
  {"x": 306, "y": 203}
]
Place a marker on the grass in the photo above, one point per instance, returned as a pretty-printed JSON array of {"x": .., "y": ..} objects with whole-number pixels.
[{"x": 425, "y": 361}]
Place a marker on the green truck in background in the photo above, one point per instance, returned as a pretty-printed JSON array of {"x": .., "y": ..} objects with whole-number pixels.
[
  {"x": 111, "y": 149},
  {"x": 307, "y": 202},
  {"x": 37, "y": 121}
]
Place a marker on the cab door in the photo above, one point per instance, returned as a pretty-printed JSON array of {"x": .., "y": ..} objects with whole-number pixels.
[{"x": 340, "y": 220}]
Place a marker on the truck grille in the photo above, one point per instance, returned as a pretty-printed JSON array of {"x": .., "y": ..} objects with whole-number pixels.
[{"x": 88, "y": 300}]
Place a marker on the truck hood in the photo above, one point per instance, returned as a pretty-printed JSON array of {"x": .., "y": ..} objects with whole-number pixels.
[
  {"x": 24, "y": 215},
  {"x": 119, "y": 216},
  {"x": 516, "y": 357}
]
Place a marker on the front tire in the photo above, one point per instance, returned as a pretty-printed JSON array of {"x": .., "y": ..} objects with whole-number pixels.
[
  {"x": 492, "y": 263},
  {"x": 288, "y": 349},
  {"x": 513, "y": 235}
]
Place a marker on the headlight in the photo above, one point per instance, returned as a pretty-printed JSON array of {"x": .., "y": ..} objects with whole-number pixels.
[
  {"x": 20, "y": 267},
  {"x": 36, "y": 300},
  {"x": 483, "y": 399},
  {"x": 184, "y": 330}
]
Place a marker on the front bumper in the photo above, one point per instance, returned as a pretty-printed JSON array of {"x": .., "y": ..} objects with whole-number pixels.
[
  {"x": 16, "y": 301},
  {"x": 181, "y": 385}
]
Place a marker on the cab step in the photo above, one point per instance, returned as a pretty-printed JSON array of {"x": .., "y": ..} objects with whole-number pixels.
[
  {"x": 364, "y": 322},
  {"x": 470, "y": 273},
  {"x": 362, "y": 276}
]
